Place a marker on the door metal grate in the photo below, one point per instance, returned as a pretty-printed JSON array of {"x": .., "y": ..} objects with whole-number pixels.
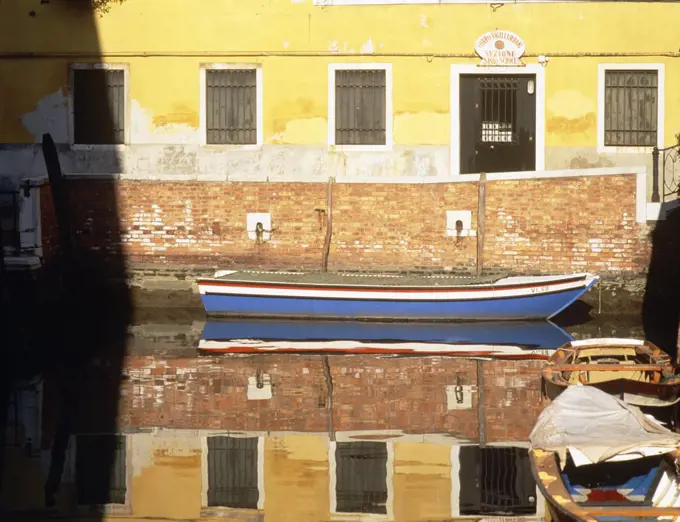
[{"x": 499, "y": 109}]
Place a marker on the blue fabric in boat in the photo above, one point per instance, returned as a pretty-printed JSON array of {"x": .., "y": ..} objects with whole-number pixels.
[{"x": 639, "y": 484}]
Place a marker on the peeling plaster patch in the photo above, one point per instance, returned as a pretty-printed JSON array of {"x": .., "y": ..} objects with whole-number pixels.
[
  {"x": 335, "y": 47},
  {"x": 143, "y": 130},
  {"x": 423, "y": 20},
  {"x": 305, "y": 130},
  {"x": 368, "y": 47},
  {"x": 50, "y": 115},
  {"x": 571, "y": 105},
  {"x": 276, "y": 138}
]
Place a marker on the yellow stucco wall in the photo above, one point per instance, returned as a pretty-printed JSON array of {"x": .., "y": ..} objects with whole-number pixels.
[{"x": 166, "y": 89}]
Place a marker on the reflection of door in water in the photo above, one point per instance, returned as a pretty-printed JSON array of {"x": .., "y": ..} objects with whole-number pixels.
[{"x": 497, "y": 123}]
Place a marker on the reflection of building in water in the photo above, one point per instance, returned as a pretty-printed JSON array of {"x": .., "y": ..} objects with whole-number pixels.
[
  {"x": 413, "y": 394},
  {"x": 382, "y": 475},
  {"x": 284, "y": 438}
]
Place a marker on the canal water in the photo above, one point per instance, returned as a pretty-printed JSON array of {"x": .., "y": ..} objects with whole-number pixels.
[{"x": 286, "y": 437}]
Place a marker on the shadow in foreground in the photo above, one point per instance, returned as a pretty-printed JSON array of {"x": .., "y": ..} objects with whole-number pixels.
[
  {"x": 64, "y": 324},
  {"x": 661, "y": 303}
]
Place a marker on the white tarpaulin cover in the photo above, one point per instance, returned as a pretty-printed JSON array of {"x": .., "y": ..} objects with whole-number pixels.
[{"x": 595, "y": 426}]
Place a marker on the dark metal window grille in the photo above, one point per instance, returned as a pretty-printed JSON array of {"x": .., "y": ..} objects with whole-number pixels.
[
  {"x": 98, "y": 107},
  {"x": 10, "y": 207},
  {"x": 360, "y": 107},
  {"x": 95, "y": 484},
  {"x": 630, "y": 108},
  {"x": 496, "y": 481},
  {"x": 232, "y": 472},
  {"x": 231, "y": 106},
  {"x": 499, "y": 109},
  {"x": 361, "y": 473}
]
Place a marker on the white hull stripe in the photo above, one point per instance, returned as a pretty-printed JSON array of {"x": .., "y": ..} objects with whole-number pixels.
[
  {"x": 252, "y": 344},
  {"x": 416, "y": 295}
]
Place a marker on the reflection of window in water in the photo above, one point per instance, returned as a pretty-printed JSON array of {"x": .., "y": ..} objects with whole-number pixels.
[
  {"x": 361, "y": 477},
  {"x": 95, "y": 484},
  {"x": 499, "y": 109},
  {"x": 496, "y": 480},
  {"x": 232, "y": 472}
]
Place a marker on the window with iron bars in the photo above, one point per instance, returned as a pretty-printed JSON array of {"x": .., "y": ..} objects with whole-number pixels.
[
  {"x": 99, "y": 484},
  {"x": 361, "y": 477},
  {"x": 98, "y": 106},
  {"x": 10, "y": 208},
  {"x": 231, "y": 106},
  {"x": 496, "y": 481},
  {"x": 630, "y": 108},
  {"x": 232, "y": 472},
  {"x": 360, "y": 107}
]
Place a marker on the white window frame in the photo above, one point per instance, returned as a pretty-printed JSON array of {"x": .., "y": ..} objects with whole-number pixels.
[
  {"x": 455, "y": 482},
  {"x": 259, "y": 105},
  {"x": 332, "y": 483},
  {"x": 389, "y": 115},
  {"x": 126, "y": 90},
  {"x": 210, "y": 511},
  {"x": 457, "y": 70},
  {"x": 660, "y": 105}
]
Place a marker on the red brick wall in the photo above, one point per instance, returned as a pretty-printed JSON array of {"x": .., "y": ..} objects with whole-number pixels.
[
  {"x": 546, "y": 225},
  {"x": 369, "y": 393}
]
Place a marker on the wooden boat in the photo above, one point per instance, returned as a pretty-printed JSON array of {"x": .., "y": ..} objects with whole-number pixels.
[
  {"x": 395, "y": 297},
  {"x": 596, "y": 458},
  {"x": 636, "y": 371},
  {"x": 528, "y": 334}
]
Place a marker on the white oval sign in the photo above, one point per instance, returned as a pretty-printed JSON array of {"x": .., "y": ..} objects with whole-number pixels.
[{"x": 500, "y": 48}]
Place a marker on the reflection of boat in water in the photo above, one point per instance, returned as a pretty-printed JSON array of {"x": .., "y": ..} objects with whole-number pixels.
[
  {"x": 636, "y": 371},
  {"x": 597, "y": 458},
  {"x": 399, "y": 297},
  {"x": 516, "y": 339}
]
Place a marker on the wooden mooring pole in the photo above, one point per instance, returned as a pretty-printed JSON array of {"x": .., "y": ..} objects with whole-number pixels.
[
  {"x": 481, "y": 211},
  {"x": 329, "y": 225}
]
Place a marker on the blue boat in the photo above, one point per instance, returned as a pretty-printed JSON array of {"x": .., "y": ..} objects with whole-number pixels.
[
  {"x": 312, "y": 295},
  {"x": 228, "y": 335}
]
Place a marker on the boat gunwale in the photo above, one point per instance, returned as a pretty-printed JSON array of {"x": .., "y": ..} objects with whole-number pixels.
[{"x": 587, "y": 279}]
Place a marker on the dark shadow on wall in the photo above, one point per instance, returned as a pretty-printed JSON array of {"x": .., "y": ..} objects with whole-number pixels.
[
  {"x": 64, "y": 325},
  {"x": 661, "y": 303}
]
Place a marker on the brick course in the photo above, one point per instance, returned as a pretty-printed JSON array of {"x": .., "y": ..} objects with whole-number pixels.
[
  {"x": 540, "y": 225},
  {"x": 369, "y": 393}
]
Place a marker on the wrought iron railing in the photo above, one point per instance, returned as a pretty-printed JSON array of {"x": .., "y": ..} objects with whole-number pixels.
[{"x": 666, "y": 173}]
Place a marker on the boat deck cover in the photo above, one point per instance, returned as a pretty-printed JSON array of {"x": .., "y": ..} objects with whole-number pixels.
[{"x": 356, "y": 279}]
